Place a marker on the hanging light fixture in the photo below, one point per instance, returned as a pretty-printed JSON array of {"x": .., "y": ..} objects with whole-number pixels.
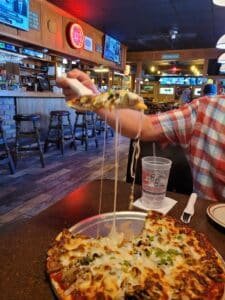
[
  {"x": 219, "y": 2},
  {"x": 221, "y": 42},
  {"x": 221, "y": 59}
]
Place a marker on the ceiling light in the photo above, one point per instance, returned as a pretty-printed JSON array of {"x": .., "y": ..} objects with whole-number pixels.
[
  {"x": 152, "y": 69},
  {"x": 221, "y": 42},
  {"x": 221, "y": 59},
  {"x": 173, "y": 34},
  {"x": 219, "y": 2}
]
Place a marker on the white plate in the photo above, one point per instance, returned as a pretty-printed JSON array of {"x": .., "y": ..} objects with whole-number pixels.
[{"x": 217, "y": 213}]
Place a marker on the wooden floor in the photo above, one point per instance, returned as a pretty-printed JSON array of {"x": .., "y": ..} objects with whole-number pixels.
[{"x": 33, "y": 188}]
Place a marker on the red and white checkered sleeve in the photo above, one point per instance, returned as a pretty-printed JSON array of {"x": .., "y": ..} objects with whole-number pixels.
[{"x": 177, "y": 124}]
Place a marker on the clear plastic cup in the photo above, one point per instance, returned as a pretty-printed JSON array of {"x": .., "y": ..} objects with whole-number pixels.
[{"x": 155, "y": 174}]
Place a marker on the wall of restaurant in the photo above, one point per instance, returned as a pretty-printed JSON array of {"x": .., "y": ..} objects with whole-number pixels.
[{"x": 51, "y": 34}]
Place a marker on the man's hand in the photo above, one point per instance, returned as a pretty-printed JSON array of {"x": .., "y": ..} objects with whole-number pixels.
[{"x": 76, "y": 85}]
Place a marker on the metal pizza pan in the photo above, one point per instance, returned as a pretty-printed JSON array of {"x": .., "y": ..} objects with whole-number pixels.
[{"x": 128, "y": 222}]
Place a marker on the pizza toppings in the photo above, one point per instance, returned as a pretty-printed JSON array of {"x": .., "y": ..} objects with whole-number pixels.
[
  {"x": 167, "y": 260},
  {"x": 87, "y": 100},
  {"x": 109, "y": 100}
]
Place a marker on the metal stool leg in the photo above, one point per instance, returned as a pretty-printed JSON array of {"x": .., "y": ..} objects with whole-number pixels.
[
  {"x": 48, "y": 134},
  {"x": 37, "y": 136},
  {"x": 61, "y": 134},
  {"x": 7, "y": 158},
  {"x": 73, "y": 143},
  {"x": 17, "y": 142}
]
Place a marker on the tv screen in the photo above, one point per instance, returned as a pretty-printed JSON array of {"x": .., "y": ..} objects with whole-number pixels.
[
  {"x": 197, "y": 91},
  {"x": 166, "y": 90},
  {"x": 15, "y": 13},
  {"x": 31, "y": 52},
  {"x": 182, "y": 80},
  {"x": 112, "y": 49},
  {"x": 148, "y": 89}
]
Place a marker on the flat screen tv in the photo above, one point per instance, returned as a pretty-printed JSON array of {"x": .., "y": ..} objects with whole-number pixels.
[
  {"x": 15, "y": 13},
  {"x": 112, "y": 49},
  {"x": 166, "y": 90},
  {"x": 197, "y": 91}
]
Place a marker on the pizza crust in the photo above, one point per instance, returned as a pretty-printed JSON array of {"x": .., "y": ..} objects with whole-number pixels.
[{"x": 59, "y": 291}]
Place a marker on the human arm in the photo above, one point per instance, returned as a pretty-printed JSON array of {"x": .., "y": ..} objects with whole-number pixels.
[{"x": 130, "y": 120}]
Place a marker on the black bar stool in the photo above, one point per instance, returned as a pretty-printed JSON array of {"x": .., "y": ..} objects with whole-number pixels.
[
  {"x": 102, "y": 126},
  {"x": 59, "y": 130},
  {"x": 5, "y": 155},
  {"x": 29, "y": 139},
  {"x": 84, "y": 127}
]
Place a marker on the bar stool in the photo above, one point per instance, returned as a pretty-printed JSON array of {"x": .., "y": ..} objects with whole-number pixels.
[
  {"x": 5, "y": 155},
  {"x": 28, "y": 140},
  {"x": 84, "y": 127},
  {"x": 102, "y": 126},
  {"x": 59, "y": 130}
]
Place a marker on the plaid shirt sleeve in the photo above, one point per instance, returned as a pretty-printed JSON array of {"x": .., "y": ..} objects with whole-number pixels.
[{"x": 177, "y": 125}]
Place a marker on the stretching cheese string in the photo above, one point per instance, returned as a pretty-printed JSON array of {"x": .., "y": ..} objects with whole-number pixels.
[
  {"x": 102, "y": 171},
  {"x": 134, "y": 159},
  {"x": 113, "y": 230}
]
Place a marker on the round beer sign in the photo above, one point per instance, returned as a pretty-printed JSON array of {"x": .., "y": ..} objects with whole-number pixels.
[{"x": 75, "y": 35}]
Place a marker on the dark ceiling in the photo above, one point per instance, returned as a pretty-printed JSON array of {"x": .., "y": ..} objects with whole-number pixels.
[{"x": 146, "y": 24}]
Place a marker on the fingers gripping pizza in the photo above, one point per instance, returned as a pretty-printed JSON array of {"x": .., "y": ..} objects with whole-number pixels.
[
  {"x": 167, "y": 260},
  {"x": 86, "y": 100}
]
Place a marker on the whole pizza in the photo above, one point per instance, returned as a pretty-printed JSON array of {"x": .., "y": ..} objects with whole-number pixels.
[{"x": 167, "y": 260}]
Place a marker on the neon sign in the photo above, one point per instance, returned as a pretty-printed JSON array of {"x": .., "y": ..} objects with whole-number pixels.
[{"x": 75, "y": 35}]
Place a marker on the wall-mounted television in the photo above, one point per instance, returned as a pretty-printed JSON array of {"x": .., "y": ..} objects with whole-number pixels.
[
  {"x": 197, "y": 91},
  {"x": 112, "y": 49},
  {"x": 181, "y": 80},
  {"x": 147, "y": 89},
  {"x": 15, "y": 13},
  {"x": 31, "y": 52},
  {"x": 166, "y": 90}
]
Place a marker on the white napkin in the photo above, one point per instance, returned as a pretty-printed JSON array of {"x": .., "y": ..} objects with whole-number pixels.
[{"x": 168, "y": 204}]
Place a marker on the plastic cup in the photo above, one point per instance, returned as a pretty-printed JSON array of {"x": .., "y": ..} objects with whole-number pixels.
[{"x": 155, "y": 174}]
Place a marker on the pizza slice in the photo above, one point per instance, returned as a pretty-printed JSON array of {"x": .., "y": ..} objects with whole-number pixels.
[{"x": 86, "y": 100}]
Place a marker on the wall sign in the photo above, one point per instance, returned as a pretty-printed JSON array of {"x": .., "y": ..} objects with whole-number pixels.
[
  {"x": 75, "y": 35},
  {"x": 88, "y": 45},
  {"x": 98, "y": 48},
  {"x": 170, "y": 56},
  {"x": 34, "y": 21}
]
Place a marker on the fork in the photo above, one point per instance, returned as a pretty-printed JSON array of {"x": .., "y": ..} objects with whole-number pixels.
[{"x": 189, "y": 209}]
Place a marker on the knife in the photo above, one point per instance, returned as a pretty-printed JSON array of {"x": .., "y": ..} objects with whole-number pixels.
[{"x": 189, "y": 209}]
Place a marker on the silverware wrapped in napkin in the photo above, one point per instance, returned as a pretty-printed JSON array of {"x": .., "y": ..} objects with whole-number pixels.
[{"x": 189, "y": 209}]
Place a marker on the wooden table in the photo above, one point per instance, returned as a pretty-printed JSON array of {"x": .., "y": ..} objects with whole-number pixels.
[{"x": 23, "y": 247}]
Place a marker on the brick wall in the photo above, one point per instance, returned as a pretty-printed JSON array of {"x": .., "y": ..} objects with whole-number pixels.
[{"x": 7, "y": 111}]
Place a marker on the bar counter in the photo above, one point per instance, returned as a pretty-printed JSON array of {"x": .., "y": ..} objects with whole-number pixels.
[
  {"x": 24, "y": 246},
  {"x": 12, "y": 102},
  {"x": 23, "y": 94}
]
